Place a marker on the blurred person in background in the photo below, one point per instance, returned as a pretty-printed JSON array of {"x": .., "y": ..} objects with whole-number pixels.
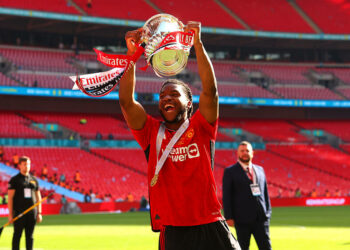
[
  {"x": 23, "y": 192},
  {"x": 246, "y": 199}
]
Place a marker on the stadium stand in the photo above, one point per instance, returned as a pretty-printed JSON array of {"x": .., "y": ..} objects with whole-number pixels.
[
  {"x": 44, "y": 80},
  {"x": 341, "y": 74},
  {"x": 282, "y": 173},
  {"x": 60, "y": 6},
  {"x": 135, "y": 10},
  {"x": 98, "y": 174},
  {"x": 186, "y": 11},
  {"x": 15, "y": 126},
  {"x": 38, "y": 59},
  {"x": 269, "y": 15},
  {"x": 286, "y": 74},
  {"x": 243, "y": 90},
  {"x": 337, "y": 128},
  {"x": 315, "y": 92},
  {"x": 321, "y": 157},
  {"x": 95, "y": 123},
  {"x": 6, "y": 81},
  {"x": 331, "y": 16},
  {"x": 269, "y": 130}
]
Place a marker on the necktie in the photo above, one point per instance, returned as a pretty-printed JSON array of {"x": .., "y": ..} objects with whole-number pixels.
[{"x": 249, "y": 174}]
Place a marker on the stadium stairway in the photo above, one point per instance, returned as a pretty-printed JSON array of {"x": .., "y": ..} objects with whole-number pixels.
[{"x": 306, "y": 18}]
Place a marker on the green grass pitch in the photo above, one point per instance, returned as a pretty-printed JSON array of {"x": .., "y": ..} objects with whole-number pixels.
[{"x": 294, "y": 228}]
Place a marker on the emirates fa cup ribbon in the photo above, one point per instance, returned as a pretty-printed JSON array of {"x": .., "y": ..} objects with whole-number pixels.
[
  {"x": 167, "y": 45},
  {"x": 100, "y": 84}
]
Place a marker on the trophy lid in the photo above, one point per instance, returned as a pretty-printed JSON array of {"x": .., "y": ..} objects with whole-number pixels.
[{"x": 159, "y": 25}]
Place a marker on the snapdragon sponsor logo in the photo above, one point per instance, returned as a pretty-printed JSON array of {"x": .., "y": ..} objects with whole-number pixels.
[
  {"x": 180, "y": 154},
  {"x": 325, "y": 202}
]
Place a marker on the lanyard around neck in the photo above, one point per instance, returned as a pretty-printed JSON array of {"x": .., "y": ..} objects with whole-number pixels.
[{"x": 168, "y": 148}]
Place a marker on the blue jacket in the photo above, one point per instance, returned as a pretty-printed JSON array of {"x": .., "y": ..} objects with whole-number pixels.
[{"x": 238, "y": 200}]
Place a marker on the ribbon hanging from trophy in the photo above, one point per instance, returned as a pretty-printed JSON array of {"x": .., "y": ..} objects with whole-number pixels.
[{"x": 102, "y": 83}]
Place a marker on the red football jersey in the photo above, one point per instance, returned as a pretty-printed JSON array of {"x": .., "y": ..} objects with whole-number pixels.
[{"x": 185, "y": 194}]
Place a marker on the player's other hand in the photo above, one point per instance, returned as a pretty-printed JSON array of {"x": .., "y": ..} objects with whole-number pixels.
[
  {"x": 10, "y": 218},
  {"x": 230, "y": 222},
  {"x": 196, "y": 27},
  {"x": 133, "y": 38},
  {"x": 39, "y": 218}
]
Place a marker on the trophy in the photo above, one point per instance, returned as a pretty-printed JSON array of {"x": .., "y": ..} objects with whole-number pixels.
[
  {"x": 167, "y": 45},
  {"x": 163, "y": 42}
]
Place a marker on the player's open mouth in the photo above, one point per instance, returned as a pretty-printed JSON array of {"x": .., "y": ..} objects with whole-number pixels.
[{"x": 169, "y": 107}]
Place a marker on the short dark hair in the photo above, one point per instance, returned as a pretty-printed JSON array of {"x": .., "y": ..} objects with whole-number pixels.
[
  {"x": 187, "y": 89},
  {"x": 246, "y": 143},
  {"x": 23, "y": 159}
]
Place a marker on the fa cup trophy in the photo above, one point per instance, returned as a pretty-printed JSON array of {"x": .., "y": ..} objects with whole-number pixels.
[{"x": 165, "y": 45}]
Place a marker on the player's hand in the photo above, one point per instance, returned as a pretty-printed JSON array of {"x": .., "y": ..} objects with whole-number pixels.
[
  {"x": 196, "y": 27},
  {"x": 230, "y": 222},
  {"x": 10, "y": 217},
  {"x": 133, "y": 38},
  {"x": 39, "y": 218}
]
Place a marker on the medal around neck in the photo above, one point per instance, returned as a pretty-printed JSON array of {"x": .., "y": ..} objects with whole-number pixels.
[
  {"x": 154, "y": 180},
  {"x": 167, "y": 45}
]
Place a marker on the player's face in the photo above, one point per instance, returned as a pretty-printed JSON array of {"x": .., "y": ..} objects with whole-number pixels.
[
  {"x": 173, "y": 103},
  {"x": 24, "y": 167},
  {"x": 245, "y": 153}
]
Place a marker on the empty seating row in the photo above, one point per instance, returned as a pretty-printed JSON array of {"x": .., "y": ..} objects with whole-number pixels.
[
  {"x": 322, "y": 157},
  {"x": 269, "y": 15},
  {"x": 13, "y": 125},
  {"x": 269, "y": 130},
  {"x": 61, "y": 6},
  {"x": 331, "y": 16},
  {"x": 103, "y": 124},
  {"x": 339, "y": 128},
  {"x": 38, "y": 59}
]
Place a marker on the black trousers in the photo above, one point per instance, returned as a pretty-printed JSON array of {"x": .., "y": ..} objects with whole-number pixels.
[
  {"x": 260, "y": 231},
  {"x": 27, "y": 222},
  {"x": 212, "y": 236}
]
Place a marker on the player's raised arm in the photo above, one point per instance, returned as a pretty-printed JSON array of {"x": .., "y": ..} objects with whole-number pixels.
[
  {"x": 133, "y": 112},
  {"x": 209, "y": 99}
]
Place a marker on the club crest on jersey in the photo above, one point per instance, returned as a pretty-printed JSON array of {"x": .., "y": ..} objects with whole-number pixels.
[{"x": 188, "y": 135}]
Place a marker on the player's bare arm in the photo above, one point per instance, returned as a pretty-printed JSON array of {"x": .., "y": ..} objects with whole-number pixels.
[
  {"x": 133, "y": 112},
  {"x": 209, "y": 99},
  {"x": 11, "y": 194}
]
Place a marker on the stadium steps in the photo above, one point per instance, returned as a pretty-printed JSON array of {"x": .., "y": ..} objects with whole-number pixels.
[
  {"x": 30, "y": 122},
  {"x": 307, "y": 165},
  {"x": 20, "y": 83},
  {"x": 232, "y": 14},
  {"x": 275, "y": 93},
  {"x": 150, "y": 3},
  {"x": 340, "y": 94},
  {"x": 306, "y": 18},
  {"x": 117, "y": 163},
  {"x": 76, "y": 6}
]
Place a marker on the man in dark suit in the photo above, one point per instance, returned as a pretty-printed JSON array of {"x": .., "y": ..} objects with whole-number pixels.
[{"x": 246, "y": 199}]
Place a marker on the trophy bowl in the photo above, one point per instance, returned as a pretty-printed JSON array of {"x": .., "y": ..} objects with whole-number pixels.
[{"x": 170, "y": 58}]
